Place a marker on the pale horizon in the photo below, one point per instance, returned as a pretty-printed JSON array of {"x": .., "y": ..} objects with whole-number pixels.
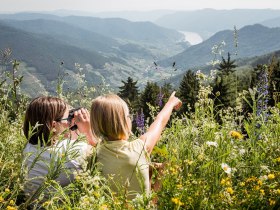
[{"x": 95, "y": 6}]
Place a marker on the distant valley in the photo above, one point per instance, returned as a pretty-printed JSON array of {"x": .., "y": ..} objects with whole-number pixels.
[{"x": 114, "y": 48}]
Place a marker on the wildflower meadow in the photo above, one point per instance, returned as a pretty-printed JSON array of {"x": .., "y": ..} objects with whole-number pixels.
[{"x": 229, "y": 163}]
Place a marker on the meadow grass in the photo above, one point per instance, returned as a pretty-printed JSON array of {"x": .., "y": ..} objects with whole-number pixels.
[{"x": 233, "y": 164}]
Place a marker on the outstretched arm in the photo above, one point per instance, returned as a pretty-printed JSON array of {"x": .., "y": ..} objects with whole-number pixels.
[
  {"x": 82, "y": 120},
  {"x": 152, "y": 136}
]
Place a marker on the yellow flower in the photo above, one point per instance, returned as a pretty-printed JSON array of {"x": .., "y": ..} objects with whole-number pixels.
[
  {"x": 46, "y": 203},
  {"x": 236, "y": 134},
  {"x": 189, "y": 162},
  {"x": 230, "y": 190},
  {"x": 270, "y": 176},
  {"x": 251, "y": 179},
  {"x": 260, "y": 182},
  {"x": 11, "y": 208},
  {"x": 104, "y": 207},
  {"x": 262, "y": 192},
  {"x": 278, "y": 191},
  {"x": 1, "y": 199},
  {"x": 271, "y": 202},
  {"x": 256, "y": 187},
  {"x": 96, "y": 194},
  {"x": 200, "y": 157},
  {"x": 12, "y": 202},
  {"x": 7, "y": 190},
  {"x": 278, "y": 160},
  {"x": 179, "y": 186},
  {"x": 242, "y": 184},
  {"x": 177, "y": 201},
  {"x": 86, "y": 200},
  {"x": 226, "y": 181}
]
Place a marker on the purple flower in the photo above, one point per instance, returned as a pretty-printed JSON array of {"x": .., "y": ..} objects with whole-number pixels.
[
  {"x": 159, "y": 98},
  {"x": 140, "y": 122},
  {"x": 262, "y": 87}
]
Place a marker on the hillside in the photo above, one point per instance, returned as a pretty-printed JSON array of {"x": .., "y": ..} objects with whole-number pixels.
[
  {"x": 69, "y": 34},
  {"x": 124, "y": 29},
  {"x": 147, "y": 39},
  {"x": 41, "y": 45},
  {"x": 207, "y": 22},
  {"x": 45, "y": 54},
  {"x": 109, "y": 27},
  {"x": 243, "y": 64},
  {"x": 275, "y": 22},
  {"x": 252, "y": 40}
]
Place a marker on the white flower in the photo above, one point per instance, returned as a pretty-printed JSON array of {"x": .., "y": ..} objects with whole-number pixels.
[
  {"x": 212, "y": 143},
  {"x": 265, "y": 168},
  {"x": 242, "y": 151},
  {"x": 226, "y": 168},
  {"x": 263, "y": 178},
  {"x": 218, "y": 136}
]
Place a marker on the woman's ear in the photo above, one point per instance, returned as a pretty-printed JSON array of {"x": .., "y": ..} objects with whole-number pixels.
[{"x": 54, "y": 124}]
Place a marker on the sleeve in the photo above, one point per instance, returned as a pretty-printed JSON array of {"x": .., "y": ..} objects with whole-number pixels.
[
  {"x": 82, "y": 150},
  {"x": 140, "y": 147}
]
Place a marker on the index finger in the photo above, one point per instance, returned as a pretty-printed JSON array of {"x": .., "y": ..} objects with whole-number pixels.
[{"x": 173, "y": 94}]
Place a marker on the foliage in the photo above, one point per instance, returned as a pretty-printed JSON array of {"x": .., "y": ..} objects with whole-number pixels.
[
  {"x": 149, "y": 96},
  {"x": 129, "y": 92},
  {"x": 225, "y": 86},
  {"x": 274, "y": 79},
  {"x": 227, "y": 66},
  {"x": 230, "y": 164},
  {"x": 188, "y": 91}
]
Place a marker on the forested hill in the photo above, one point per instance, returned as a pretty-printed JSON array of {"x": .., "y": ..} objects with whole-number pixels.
[
  {"x": 110, "y": 27},
  {"x": 106, "y": 48},
  {"x": 250, "y": 41},
  {"x": 243, "y": 66},
  {"x": 45, "y": 53},
  {"x": 67, "y": 33}
]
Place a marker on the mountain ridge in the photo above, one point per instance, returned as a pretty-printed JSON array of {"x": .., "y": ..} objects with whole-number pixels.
[{"x": 251, "y": 41}]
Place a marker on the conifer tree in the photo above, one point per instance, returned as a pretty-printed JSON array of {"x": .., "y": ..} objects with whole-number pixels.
[
  {"x": 227, "y": 67},
  {"x": 129, "y": 92},
  {"x": 149, "y": 95},
  {"x": 188, "y": 91},
  {"x": 274, "y": 81},
  {"x": 224, "y": 88}
]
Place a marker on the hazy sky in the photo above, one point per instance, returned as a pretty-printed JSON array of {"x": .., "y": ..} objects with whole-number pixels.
[{"x": 121, "y": 5}]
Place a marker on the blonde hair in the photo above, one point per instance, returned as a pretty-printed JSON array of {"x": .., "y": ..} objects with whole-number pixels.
[{"x": 108, "y": 117}]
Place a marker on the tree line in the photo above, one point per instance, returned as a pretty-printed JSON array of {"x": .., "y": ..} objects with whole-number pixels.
[{"x": 226, "y": 86}]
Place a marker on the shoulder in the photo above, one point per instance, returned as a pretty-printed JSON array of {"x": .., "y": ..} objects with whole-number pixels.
[
  {"x": 76, "y": 146},
  {"x": 138, "y": 144},
  {"x": 29, "y": 150}
]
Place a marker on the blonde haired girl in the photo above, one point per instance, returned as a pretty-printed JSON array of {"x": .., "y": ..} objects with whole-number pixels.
[{"x": 126, "y": 163}]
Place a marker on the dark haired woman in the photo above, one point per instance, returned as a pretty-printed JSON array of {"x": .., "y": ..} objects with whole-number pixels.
[{"x": 51, "y": 151}]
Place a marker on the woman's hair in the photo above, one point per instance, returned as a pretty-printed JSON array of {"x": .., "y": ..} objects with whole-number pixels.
[
  {"x": 108, "y": 117},
  {"x": 43, "y": 111}
]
